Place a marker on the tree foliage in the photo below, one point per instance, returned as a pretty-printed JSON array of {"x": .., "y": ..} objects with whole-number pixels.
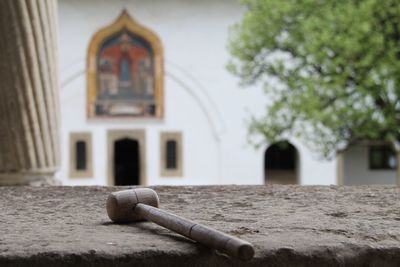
[{"x": 331, "y": 68}]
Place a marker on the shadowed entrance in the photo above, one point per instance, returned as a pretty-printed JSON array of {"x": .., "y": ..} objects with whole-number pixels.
[
  {"x": 126, "y": 162},
  {"x": 280, "y": 164}
]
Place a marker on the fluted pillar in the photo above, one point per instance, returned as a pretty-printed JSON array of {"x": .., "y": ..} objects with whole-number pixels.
[{"x": 29, "y": 108}]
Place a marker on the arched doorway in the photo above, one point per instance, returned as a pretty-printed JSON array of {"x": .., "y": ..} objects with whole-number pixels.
[
  {"x": 126, "y": 162},
  {"x": 280, "y": 164}
]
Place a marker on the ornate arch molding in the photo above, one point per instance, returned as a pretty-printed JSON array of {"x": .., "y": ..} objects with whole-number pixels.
[{"x": 125, "y": 23}]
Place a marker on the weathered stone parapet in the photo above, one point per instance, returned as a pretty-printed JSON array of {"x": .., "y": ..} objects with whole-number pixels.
[
  {"x": 288, "y": 225},
  {"x": 29, "y": 108}
]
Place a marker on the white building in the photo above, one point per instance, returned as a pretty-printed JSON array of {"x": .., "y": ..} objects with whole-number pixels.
[{"x": 180, "y": 119}]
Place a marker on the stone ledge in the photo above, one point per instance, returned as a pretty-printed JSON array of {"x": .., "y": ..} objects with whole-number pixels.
[{"x": 288, "y": 225}]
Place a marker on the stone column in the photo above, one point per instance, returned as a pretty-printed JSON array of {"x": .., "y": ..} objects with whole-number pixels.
[{"x": 29, "y": 108}]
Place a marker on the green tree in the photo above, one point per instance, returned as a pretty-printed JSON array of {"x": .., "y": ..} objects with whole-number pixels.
[{"x": 330, "y": 67}]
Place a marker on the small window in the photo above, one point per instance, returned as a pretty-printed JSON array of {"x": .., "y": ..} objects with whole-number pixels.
[
  {"x": 382, "y": 158},
  {"x": 80, "y": 155},
  {"x": 171, "y": 159},
  {"x": 80, "y": 164},
  {"x": 171, "y": 154}
]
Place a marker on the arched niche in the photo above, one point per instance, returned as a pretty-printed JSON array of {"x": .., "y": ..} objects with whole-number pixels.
[
  {"x": 125, "y": 71},
  {"x": 281, "y": 163}
]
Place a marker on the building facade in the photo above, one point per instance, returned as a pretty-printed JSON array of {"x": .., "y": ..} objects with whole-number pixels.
[{"x": 146, "y": 99}]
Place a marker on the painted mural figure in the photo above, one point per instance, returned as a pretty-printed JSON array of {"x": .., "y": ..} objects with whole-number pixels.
[
  {"x": 125, "y": 68},
  {"x": 125, "y": 77}
]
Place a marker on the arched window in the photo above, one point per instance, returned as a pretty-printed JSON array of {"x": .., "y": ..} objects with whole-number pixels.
[{"x": 125, "y": 71}]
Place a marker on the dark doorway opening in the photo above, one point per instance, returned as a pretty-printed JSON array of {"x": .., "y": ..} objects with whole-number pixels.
[
  {"x": 280, "y": 164},
  {"x": 126, "y": 162}
]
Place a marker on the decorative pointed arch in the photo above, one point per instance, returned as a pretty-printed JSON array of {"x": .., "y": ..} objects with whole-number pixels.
[{"x": 125, "y": 71}]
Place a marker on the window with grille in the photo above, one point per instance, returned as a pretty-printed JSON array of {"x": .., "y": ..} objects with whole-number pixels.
[{"x": 382, "y": 158}]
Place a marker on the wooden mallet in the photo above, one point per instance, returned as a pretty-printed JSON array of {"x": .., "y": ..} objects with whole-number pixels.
[{"x": 142, "y": 204}]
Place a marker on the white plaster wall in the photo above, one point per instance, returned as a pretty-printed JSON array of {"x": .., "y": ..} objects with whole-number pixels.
[
  {"x": 202, "y": 99},
  {"x": 315, "y": 170},
  {"x": 199, "y": 144},
  {"x": 356, "y": 169}
]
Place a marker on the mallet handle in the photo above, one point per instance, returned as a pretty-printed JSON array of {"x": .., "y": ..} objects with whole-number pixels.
[{"x": 228, "y": 244}]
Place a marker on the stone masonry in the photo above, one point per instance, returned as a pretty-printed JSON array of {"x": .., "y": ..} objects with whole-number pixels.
[{"x": 288, "y": 225}]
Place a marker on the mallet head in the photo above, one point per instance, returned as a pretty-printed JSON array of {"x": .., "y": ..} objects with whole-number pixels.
[{"x": 121, "y": 204}]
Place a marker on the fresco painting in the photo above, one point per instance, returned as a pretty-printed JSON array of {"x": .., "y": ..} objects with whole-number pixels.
[{"x": 125, "y": 77}]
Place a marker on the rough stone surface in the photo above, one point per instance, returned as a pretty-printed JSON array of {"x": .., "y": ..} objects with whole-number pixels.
[{"x": 288, "y": 225}]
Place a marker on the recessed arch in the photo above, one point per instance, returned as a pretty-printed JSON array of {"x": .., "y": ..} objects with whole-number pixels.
[
  {"x": 125, "y": 75},
  {"x": 281, "y": 163}
]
